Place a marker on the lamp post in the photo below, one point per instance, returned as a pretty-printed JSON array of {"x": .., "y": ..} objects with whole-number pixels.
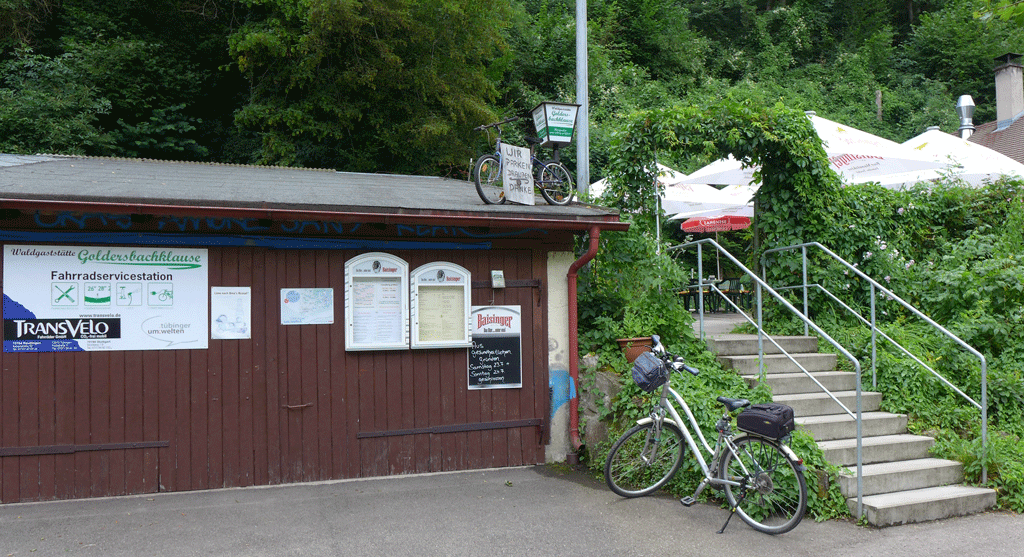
[{"x": 583, "y": 98}]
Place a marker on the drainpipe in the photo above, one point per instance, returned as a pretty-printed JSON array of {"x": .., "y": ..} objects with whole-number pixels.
[{"x": 574, "y": 356}]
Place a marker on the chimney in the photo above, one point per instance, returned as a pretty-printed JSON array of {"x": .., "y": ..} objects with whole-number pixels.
[
  {"x": 1009, "y": 89},
  {"x": 965, "y": 110}
]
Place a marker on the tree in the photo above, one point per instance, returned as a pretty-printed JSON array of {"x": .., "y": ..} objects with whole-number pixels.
[
  {"x": 1006, "y": 10},
  {"x": 952, "y": 46},
  {"x": 388, "y": 85},
  {"x": 46, "y": 106}
]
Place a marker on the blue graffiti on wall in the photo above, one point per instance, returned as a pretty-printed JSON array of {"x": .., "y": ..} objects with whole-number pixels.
[
  {"x": 81, "y": 221},
  {"x": 562, "y": 389}
]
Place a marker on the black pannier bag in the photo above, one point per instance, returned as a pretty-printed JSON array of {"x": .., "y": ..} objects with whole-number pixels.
[
  {"x": 649, "y": 372},
  {"x": 770, "y": 420}
]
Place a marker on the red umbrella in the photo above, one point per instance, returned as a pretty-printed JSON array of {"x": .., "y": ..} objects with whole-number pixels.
[
  {"x": 715, "y": 224},
  {"x": 721, "y": 223}
]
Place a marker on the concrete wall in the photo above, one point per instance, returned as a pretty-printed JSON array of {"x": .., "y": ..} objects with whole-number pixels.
[{"x": 560, "y": 384}]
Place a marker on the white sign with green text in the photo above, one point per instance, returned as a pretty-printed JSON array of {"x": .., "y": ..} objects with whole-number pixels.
[
  {"x": 555, "y": 122},
  {"x": 75, "y": 298}
]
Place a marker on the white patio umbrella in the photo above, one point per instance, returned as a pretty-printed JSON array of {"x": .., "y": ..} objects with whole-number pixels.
[
  {"x": 736, "y": 199},
  {"x": 689, "y": 198},
  {"x": 972, "y": 163},
  {"x": 666, "y": 176},
  {"x": 857, "y": 156}
]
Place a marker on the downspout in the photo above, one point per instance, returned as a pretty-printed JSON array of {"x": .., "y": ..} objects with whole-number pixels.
[{"x": 574, "y": 356}]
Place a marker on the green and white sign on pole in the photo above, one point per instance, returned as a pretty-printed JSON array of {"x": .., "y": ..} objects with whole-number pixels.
[{"x": 555, "y": 122}]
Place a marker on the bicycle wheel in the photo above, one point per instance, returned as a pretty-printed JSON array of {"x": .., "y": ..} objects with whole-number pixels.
[
  {"x": 775, "y": 496},
  {"x": 556, "y": 183},
  {"x": 640, "y": 463},
  {"x": 487, "y": 176}
]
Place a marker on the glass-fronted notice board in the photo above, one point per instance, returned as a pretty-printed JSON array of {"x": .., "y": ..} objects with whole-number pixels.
[
  {"x": 376, "y": 302},
  {"x": 440, "y": 306}
]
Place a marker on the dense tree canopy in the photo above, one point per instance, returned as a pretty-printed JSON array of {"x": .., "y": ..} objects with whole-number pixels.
[{"x": 397, "y": 85}]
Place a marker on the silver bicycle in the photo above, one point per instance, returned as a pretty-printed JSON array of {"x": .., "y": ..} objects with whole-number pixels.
[{"x": 763, "y": 480}]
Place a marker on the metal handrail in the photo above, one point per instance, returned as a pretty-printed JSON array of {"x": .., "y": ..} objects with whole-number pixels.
[
  {"x": 875, "y": 332},
  {"x": 762, "y": 286}
]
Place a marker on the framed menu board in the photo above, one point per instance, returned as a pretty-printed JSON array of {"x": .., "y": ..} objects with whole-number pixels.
[
  {"x": 440, "y": 306},
  {"x": 376, "y": 302},
  {"x": 496, "y": 357}
]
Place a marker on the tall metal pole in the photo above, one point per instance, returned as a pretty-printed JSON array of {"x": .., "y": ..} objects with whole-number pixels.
[{"x": 582, "y": 99}]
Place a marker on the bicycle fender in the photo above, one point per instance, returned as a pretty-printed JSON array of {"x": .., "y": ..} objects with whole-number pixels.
[
  {"x": 792, "y": 456},
  {"x": 648, "y": 419}
]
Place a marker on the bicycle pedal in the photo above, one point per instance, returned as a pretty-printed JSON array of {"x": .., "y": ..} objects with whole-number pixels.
[{"x": 687, "y": 501}]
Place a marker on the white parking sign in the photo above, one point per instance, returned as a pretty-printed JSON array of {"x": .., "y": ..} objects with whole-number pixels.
[{"x": 516, "y": 174}]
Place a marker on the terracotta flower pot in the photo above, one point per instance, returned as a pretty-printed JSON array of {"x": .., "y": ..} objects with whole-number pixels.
[{"x": 633, "y": 347}]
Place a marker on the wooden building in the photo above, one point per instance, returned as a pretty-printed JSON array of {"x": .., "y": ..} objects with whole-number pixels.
[{"x": 149, "y": 345}]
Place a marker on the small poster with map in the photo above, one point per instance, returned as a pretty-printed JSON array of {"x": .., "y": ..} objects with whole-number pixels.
[{"x": 307, "y": 306}]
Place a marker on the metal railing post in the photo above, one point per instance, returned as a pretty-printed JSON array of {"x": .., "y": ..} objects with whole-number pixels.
[
  {"x": 700, "y": 291},
  {"x": 806, "y": 307},
  {"x": 874, "y": 340}
]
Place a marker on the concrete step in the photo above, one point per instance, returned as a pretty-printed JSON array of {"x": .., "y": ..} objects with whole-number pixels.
[
  {"x": 779, "y": 363},
  {"x": 921, "y": 505},
  {"x": 819, "y": 404},
  {"x": 904, "y": 475},
  {"x": 883, "y": 448},
  {"x": 794, "y": 383},
  {"x": 745, "y": 345},
  {"x": 841, "y": 426}
]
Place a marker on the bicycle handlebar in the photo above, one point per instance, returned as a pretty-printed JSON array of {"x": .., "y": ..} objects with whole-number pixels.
[
  {"x": 675, "y": 362},
  {"x": 496, "y": 124}
]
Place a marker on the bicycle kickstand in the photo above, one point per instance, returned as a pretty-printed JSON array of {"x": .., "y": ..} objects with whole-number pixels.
[{"x": 743, "y": 490}]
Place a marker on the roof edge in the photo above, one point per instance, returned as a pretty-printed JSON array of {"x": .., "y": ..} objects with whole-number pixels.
[{"x": 610, "y": 223}]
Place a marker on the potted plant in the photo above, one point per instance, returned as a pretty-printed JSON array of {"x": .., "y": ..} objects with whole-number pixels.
[{"x": 635, "y": 331}]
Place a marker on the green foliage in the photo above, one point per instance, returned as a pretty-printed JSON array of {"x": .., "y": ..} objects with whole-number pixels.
[
  {"x": 365, "y": 86},
  {"x": 799, "y": 192},
  {"x": 952, "y": 46},
  {"x": 46, "y": 106},
  {"x": 1007, "y": 10},
  {"x": 953, "y": 253},
  {"x": 627, "y": 291}
]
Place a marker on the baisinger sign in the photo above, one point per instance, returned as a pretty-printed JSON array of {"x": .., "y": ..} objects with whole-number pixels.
[{"x": 74, "y": 298}]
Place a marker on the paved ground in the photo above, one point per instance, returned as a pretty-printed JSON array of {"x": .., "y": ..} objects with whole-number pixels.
[
  {"x": 717, "y": 324},
  {"x": 535, "y": 511}
]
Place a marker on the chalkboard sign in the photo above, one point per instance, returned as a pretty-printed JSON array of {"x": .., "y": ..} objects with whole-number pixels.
[{"x": 496, "y": 356}]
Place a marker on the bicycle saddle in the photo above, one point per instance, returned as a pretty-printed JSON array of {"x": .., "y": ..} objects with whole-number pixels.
[
  {"x": 534, "y": 140},
  {"x": 734, "y": 404}
]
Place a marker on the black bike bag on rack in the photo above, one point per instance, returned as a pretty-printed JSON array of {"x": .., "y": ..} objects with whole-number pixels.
[
  {"x": 649, "y": 372},
  {"x": 770, "y": 420}
]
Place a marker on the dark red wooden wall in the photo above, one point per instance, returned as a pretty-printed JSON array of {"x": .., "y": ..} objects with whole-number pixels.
[{"x": 288, "y": 405}]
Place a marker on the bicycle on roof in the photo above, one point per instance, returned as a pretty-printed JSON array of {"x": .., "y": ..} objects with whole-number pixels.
[{"x": 551, "y": 177}]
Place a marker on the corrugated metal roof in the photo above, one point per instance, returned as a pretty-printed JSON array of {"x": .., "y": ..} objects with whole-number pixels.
[{"x": 135, "y": 185}]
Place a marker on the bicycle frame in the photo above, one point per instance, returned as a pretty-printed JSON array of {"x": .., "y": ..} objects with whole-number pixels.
[
  {"x": 716, "y": 452},
  {"x": 724, "y": 443},
  {"x": 535, "y": 162}
]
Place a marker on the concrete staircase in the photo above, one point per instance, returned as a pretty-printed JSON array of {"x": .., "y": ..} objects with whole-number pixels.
[{"x": 901, "y": 482}]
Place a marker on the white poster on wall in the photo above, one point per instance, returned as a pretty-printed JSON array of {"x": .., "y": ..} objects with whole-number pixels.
[
  {"x": 230, "y": 312},
  {"x": 307, "y": 306},
  {"x": 74, "y": 298}
]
